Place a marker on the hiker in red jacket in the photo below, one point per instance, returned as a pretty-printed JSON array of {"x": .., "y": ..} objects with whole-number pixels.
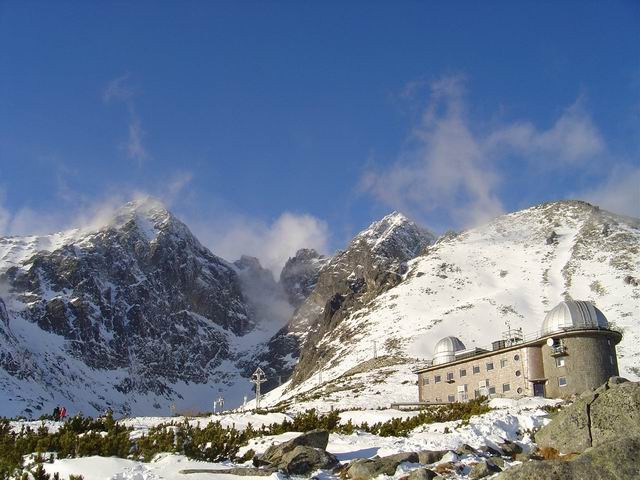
[{"x": 63, "y": 413}]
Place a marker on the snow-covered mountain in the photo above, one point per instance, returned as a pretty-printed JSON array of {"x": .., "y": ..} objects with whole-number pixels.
[
  {"x": 372, "y": 263},
  {"x": 469, "y": 285},
  {"x": 135, "y": 314}
]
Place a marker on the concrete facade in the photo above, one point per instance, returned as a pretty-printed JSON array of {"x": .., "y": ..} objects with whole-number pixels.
[{"x": 555, "y": 364}]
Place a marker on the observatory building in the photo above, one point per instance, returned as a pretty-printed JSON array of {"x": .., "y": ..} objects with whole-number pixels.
[{"x": 574, "y": 351}]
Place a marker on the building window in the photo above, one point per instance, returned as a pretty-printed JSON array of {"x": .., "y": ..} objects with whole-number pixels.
[
  {"x": 560, "y": 362},
  {"x": 476, "y": 393},
  {"x": 503, "y": 362},
  {"x": 449, "y": 376},
  {"x": 489, "y": 365},
  {"x": 518, "y": 373},
  {"x": 562, "y": 381},
  {"x": 437, "y": 379},
  {"x": 463, "y": 372},
  {"x": 516, "y": 357},
  {"x": 476, "y": 369},
  {"x": 425, "y": 380},
  {"x": 492, "y": 390},
  {"x": 451, "y": 398},
  {"x": 506, "y": 387}
]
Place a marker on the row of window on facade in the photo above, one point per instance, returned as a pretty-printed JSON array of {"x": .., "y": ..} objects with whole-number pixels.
[
  {"x": 475, "y": 369},
  {"x": 490, "y": 390}
]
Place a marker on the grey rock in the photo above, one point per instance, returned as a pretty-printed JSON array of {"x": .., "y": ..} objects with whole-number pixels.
[
  {"x": 465, "y": 449},
  {"x": 275, "y": 454},
  {"x": 483, "y": 468},
  {"x": 239, "y": 471},
  {"x": 611, "y": 460},
  {"x": 421, "y": 474},
  {"x": 487, "y": 450},
  {"x": 427, "y": 457},
  {"x": 362, "y": 469},
  {"x": 510, "y": 448},
  {"x": 302, "y": 460},
  {"x": 611, "y": 411}
]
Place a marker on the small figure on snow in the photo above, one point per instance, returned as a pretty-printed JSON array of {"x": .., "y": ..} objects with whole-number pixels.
[
  {"x": 56, "y": 413},
  {"x": 63, "y": 413}
]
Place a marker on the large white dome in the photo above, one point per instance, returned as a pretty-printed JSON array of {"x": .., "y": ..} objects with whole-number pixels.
[
  {"x": 573, "y": 314},
  {"x": 445, "y": 350}
]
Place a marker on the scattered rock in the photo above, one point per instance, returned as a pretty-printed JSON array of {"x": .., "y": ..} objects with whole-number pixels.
[
  {"x": 239, "y": 471},
  {"x": 366, "y": 468},
  {"x": 450, "y": 457},
  {"x": 427, "y": 457},
  {"x": 487, "y": 450},
  {"x": 483, "y": 468},
  {"x": 612, "y": 460},
  {"x": 465, "y": 449},
  {"x": 510, "y": 448},
  {"x": 421, "y": 474}
]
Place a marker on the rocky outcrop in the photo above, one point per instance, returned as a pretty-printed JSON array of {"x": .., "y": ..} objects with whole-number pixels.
[
  {"x": 300, "y": 274},
  {"x": 139, "y": 300},
  {"x": 615, "y": 459},
  {"x": 373, "y": 262},
  {"x": 611, "y": 411}
]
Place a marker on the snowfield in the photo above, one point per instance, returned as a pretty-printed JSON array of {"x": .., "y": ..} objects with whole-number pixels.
[{"x": 508, "y": 420}]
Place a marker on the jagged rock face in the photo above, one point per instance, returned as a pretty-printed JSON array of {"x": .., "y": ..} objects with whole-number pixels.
[
  {"x": 140, "y": 295},
  {"x": 372, "y": 263},
  {"x": 300, "y": 274}
]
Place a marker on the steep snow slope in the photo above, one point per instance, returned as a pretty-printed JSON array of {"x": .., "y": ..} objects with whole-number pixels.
[{"x": 512, "y": 270}]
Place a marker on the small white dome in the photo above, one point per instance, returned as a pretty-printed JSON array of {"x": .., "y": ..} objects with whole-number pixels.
[
  {"x": 445, "y": 350},
  {"x": 573, "y": 314}
]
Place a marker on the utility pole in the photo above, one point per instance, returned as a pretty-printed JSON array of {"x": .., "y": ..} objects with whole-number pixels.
[
  {"x": 258, "y": 378},
  {"x": 221, "y": 403}
]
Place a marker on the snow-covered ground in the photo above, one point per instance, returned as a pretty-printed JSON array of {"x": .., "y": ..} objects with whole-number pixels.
[{"x": 508, "y": 420}]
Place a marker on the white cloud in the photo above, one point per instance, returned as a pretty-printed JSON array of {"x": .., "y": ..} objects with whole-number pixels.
[
  {"x": 273, "y": 243},
  {"x": 118, "y": 90},
  {"x": 573, "y": 139},
  {"x": 619, "y": 192},
  {"x": 453, "y": 173}
]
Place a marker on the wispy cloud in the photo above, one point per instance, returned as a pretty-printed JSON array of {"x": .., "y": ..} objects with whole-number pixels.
[
  {"x": 272, "y": 242},
  {"x": 119, "y": 90},
  {"x": 619, "y": 192},
  {"x": 453, "y": 171}
]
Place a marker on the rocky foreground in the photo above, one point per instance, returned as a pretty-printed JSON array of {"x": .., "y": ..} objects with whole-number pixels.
[{"x": 595, "y": 437}]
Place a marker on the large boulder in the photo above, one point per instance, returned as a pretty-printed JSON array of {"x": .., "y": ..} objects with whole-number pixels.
[
  {"x": 299, "y": 456},
  {"x": 611, "y": 460},
  {"x": 427, "y": 457},
  {"x": 609, "y": 412},
  {"x": 483, "y": 468},
  {"x": 302, "y": 460},
  {"x": 275, "y": 453}
]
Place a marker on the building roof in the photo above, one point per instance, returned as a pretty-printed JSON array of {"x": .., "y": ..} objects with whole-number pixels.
[
  {"x": 446, "y": 349},
  {"x": 573, "y": 314}
]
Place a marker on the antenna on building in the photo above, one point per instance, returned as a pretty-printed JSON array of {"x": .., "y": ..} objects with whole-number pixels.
[{"x": 258, "y": 378}]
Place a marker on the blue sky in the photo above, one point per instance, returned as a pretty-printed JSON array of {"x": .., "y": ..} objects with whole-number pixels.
[{"x": 301, "y": 122}]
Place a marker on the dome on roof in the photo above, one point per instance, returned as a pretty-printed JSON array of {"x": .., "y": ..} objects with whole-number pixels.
[
  {"x": 573, "y": 314},
  {"x": 445, "y": 350}
]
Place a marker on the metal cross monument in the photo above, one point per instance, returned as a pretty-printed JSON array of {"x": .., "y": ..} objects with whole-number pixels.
[{"x": 258, "y": 378}]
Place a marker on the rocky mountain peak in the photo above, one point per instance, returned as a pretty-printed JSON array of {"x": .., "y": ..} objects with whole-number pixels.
[
  {"x": 300, "y": 274},
  {"x": 394, "y": 236}
]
